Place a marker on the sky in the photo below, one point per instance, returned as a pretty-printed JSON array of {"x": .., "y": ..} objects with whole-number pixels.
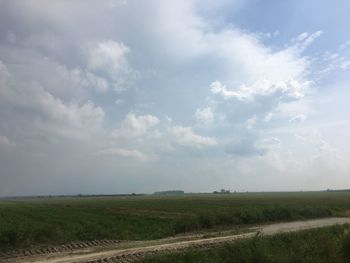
[{"x": 123, "y": 96}]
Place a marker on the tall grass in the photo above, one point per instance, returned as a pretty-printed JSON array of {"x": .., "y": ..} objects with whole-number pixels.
[{"x": 327, "y": 245}]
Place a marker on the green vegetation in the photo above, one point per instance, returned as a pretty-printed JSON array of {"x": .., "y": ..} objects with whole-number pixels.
[
  {"x": 32, "y": 222},
  {"x": 325, "y": 245}
]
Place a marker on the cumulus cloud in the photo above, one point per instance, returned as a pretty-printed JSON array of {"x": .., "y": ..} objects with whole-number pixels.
[
  {"x": 250, "y": 123},
  {"x": 135, "y": 125},
  {"x": 266, "y": 79},
  {"x": 152, "y": 134},
  {"x": 298, "y": 118},
  {"x": 83, "y": 78},
  {"x": 4, "y": 141},
  {"x": 71, "y": 120},
  {"x": 345, "y": 65},
  {"x": 109, "y": 60},
  {"x": 109, "y": 56},
  {"x": 268, "y": 117},
  {"x": 270, "y": 143},
  {"x": 4, "y": 74},
  {"x": 293, "y": 89},
  {"x": 47, "y": 112},
  {"x": 270, "y": 81},
  {"x": 345, "y": 45},
  {"x": 186, "y": 137},
  {"x": 217, "y": 88},
  {"x": 204, "y": 116},
  {"x": 120, "y": 152}
]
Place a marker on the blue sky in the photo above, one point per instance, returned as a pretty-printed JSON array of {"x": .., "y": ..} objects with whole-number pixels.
[{"x": 139, "y": 96}]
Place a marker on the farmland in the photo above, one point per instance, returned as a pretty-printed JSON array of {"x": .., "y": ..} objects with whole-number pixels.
[{"x": 50, "y": 221}]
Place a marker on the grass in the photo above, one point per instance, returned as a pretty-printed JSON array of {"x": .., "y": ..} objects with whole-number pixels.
[
  {"x": 35, "y": 222},
  {"x": 325, "y": 245}
]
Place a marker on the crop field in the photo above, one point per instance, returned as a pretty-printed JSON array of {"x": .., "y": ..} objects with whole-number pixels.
[{"x": 50, "y": 221}]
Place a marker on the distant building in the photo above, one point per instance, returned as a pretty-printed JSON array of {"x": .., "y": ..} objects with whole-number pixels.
[
  {"x": 222, "y": 191},
  {"x": 170, "y": 192}
]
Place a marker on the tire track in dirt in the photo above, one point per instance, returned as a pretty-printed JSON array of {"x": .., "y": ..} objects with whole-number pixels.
[
  {"x": 132, "y": 255},
  {"x": 71, "y": 247}
]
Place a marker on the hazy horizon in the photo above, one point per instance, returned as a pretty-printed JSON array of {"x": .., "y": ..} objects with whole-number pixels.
[{"x": 123, "y": 96}]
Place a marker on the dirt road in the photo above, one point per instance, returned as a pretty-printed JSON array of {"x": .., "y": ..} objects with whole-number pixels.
[{"x": 138, "y": 250}]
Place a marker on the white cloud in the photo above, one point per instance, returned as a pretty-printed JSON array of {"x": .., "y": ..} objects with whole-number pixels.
[
  {"x": 176, "y": 21},
  {"x": 135, "y": 125},
  {"x": 69, "y": 120},
  {"x": 4, "y": 141},
  {"x": 255, "y": 62},
  {"x": 345, "y": 65},
  {"x": 305, "y": 39},
  {"x": 268, "y": 117},
  {"x": 271, "y": 143},
  {"x": 267, "y": 80},
  {"x": 204, "y": 116},
  {"x": 302, "y": 36},
  {"x": 290, "y": 89},
  {"x": 345, "y": 45},
  {"x": 11, "y": 37},
  {"x": 108, "y": 60},
  {"x": 4, "y": 74},
  {"x": 108, "y": 56},
  {"x": 49, "y": 113},
  {"x": 120, "y": 152},
  {"x": 83, "y": 78},
  {"x": 298, "y": 118},
  {"x": 185, "y": 136},
  {"x": 237, "y": 51},
  {"x": 217, "y": 88},
  {"x": 250, "y": 123}
]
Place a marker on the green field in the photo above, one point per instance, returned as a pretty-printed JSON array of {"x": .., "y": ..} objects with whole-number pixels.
[
  {"x": 32, "y": 222},
  {"x": 324, "y": 245}
]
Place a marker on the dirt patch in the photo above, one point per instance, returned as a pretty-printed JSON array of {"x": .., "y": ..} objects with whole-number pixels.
[
  {"x": 347, "y": 213},
  {"x": 67, "y": 248}
]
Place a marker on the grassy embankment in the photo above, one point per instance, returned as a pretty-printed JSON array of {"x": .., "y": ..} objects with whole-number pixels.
[
  {"x": 25, "y": 223},
  {"x": 324, "y": 245}
]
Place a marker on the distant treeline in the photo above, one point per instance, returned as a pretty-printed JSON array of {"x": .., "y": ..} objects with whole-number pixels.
[
  {"x": 70, "y": 196},
  {"x": 170, "y": 192},
  {"x": 341, "y": 190}
]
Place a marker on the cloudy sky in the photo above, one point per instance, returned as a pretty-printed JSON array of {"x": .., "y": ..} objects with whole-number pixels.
[{"x": 139, "y": 96}]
